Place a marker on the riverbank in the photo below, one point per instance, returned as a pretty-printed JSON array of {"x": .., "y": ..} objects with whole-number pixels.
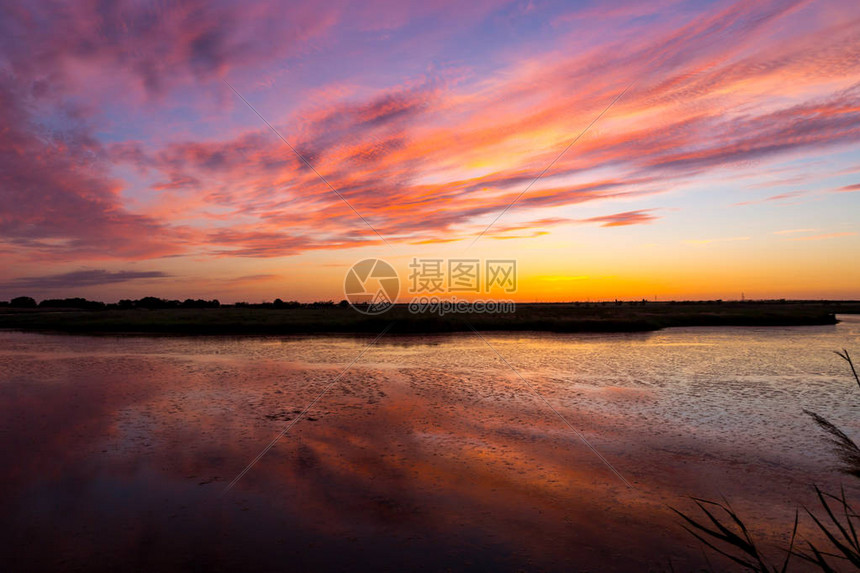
[{"x": 549, "y": 317}]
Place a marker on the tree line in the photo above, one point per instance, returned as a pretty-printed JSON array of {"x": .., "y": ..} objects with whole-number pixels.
[{"x": 151, "y": 303}]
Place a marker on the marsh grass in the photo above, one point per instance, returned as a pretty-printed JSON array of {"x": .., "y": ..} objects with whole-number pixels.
[
  {"x": 723, "y": 531},
  {"x": 336, "y": 319},
  {"x": 843, "y": 446},
  {"x": 728, "y": 536},
  {"x": 839, "y": 529}
]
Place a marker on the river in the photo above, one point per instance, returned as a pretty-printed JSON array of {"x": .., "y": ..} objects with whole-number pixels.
[{"x": 502, "y": 451}]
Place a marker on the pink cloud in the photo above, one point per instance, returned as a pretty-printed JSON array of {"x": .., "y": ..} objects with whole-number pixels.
[
  {"x": 156, "y": 46},
  {"x": 640, "y": 217},
  {"x": 56, "y": 199}
]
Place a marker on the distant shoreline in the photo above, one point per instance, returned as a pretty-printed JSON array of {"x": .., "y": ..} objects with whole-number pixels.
[{"x": 545, "y": 317}]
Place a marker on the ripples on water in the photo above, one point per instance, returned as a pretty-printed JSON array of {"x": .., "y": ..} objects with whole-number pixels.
[{"x": 430, "y": 453}]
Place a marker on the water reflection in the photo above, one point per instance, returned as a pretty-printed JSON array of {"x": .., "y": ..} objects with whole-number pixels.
[{"x": 430, "y": 454}]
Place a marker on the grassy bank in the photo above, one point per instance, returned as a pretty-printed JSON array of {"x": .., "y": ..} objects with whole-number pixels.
[{"x": 561, "y": 317}]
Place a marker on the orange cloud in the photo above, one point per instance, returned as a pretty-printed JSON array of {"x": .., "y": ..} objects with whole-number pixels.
[
  {"x": 822, "y": 236},
  {"x": 709, "y": 241},
  {"x": 639, "y": 217}
]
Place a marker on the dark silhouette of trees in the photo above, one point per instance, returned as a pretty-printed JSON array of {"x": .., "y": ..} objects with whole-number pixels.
[
  {"x": 78, "y": 303},
  {"x": 156, "y": 303},
  {"x": 152, "y": 303},
  {"x": 200, "y": 303}
]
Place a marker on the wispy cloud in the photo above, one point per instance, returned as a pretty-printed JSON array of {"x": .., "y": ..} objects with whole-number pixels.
[
  {"x": 792, "y": 231},
  {"x": 434, "y": 241},
  {"x": 822, "y": 236},
  {"x": 255, "y": 278},
  {"x": 531, "y": 235},
  {"x": 639, "y": 217},
  {"x": 779, "y": 197},
  {"x": 699, "y": 242},
  {"x": 561, "y": 278},
  {"x": 77, "y": 279}
]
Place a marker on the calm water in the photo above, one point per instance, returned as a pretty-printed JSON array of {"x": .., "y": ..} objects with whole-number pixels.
[{"x": 429, "y": 453}]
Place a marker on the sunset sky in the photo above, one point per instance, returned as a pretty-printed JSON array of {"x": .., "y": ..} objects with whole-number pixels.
[{"x": 129, "y": 167}]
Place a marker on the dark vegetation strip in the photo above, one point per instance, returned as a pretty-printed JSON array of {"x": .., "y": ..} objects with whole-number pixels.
[{"x": 318, "y": 318}]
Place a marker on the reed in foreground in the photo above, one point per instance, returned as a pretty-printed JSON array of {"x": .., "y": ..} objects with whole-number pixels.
[{"x": 723, "y": 531}]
